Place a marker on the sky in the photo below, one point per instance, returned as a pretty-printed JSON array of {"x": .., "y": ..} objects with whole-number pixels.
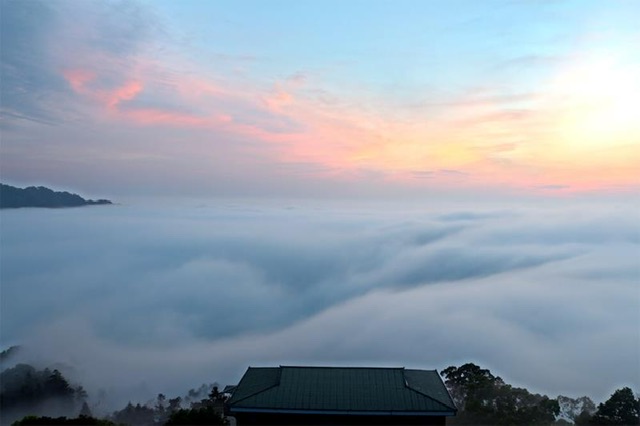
[
  {"x": 381, "y": 183},
  {"x": 322, "y": 98}
]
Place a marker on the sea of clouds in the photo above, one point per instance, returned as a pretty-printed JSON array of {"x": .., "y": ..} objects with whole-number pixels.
[{"x": 141, "y": 299}]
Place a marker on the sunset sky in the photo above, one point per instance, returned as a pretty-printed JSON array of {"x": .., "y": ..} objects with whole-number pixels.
[
  {"x": 321, "y": 98},
  {"x": 351, "y": 182}
]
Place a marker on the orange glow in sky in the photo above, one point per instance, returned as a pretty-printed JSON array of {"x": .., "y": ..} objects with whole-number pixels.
[{"x": 551, "y": 106}]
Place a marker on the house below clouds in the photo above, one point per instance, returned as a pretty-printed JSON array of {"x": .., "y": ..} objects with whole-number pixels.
[{"x": 340, "y": 396}]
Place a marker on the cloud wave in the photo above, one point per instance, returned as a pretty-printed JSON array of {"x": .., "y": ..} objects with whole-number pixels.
[{"x": 214, "y": 289}]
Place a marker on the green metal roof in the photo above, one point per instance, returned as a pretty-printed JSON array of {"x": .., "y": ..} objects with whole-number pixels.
[{"x": 341, "y": 389}]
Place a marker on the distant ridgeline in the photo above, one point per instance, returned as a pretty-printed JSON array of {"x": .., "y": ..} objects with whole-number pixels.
[{"x": 12, "y": 197}]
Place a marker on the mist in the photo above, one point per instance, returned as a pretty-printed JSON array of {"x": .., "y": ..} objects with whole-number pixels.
[{"x": 140, "y": 299}]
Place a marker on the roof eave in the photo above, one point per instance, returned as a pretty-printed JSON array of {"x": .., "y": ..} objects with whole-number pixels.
[{"x": 339, "y": 412}]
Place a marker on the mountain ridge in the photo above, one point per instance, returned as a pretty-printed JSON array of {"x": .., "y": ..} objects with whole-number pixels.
[{"x": 41, "y": 196}]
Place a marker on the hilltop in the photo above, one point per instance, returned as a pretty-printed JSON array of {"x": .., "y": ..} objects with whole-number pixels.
[{"x": 40, "y": 196}]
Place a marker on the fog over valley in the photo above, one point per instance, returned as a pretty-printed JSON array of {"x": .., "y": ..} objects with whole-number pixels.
[
  {"x": 191, "y": 188},
  {"x": 136, "y": 299}
]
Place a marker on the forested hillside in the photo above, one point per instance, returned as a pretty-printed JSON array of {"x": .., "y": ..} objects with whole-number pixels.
[
  {"x": 29, "y": 396},
  {"x": 485, "y": 399},
  {"x": 32, "y": 196},
  {"x": 24, "y": 390}
]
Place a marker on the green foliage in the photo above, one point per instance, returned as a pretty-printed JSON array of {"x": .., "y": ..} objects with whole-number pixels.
[
  {"x": 160, "y": 403},
  {"x": 470, "y": 384},
  {"x": 174, "y": 404},
  {"x": 138, "y": 415},
  {"x": 622, "y": 408},
  {"x": 207, "y": 415},
  {"x": 209, "y": 410},
  {"x": 483, "y": 398},
  {"x": 79, "y": 421},
  {"x": 582, "y": 419},
  {"x": 25, "y": 390}
]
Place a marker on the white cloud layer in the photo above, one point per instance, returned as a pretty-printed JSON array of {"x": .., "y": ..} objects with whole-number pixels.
[{"x": 141, "y": 300}]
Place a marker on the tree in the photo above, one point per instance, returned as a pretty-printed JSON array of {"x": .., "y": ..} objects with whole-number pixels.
[
  {"x": 80, "y": 393},
  {"x": 583, "y": 419},
  {"x": 135, "y": 415},
  {"x": 57, "y": 385},
  {"x": 215, "y": 394},
  {"x": 196, "y": 416},
  {"x": 27, "y": 391},
  {"x": 517, "y": 406},
  {"x": 160, "y": 403},
  {"x": 469, "y": 384},
  {"x": 483, "y": 398},
  {"x": 622, "y": 408},
  {"x": 78, "y": 421},
  {"x": 85, "y": 411},
  {"x": 174, "y": 404}
]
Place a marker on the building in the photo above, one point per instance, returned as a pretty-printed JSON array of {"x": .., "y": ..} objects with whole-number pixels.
[{"x": 340, "y": 396}]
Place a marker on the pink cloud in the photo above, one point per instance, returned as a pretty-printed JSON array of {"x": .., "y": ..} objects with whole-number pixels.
[
  {"x": 128, "y": 91},
  {"x": 498, "y": 140},
  {"x": 151, "y": 116},
  {"x": 80, "y": 81},
  {"x": 112, "y": 100},
  {"x": 275, "y": 102},
  {"x": 78, "y": 78}
]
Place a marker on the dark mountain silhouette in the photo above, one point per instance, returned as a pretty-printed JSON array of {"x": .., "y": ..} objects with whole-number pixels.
[{"x": 12, "y": 197}]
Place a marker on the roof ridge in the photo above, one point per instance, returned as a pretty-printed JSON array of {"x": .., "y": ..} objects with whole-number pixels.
[
  {"x": 275, "y": 385},
  {"x": 429, "y": 396},
  {"x": 406, "y": 384},
  {"x": 340, "y": 367}
]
